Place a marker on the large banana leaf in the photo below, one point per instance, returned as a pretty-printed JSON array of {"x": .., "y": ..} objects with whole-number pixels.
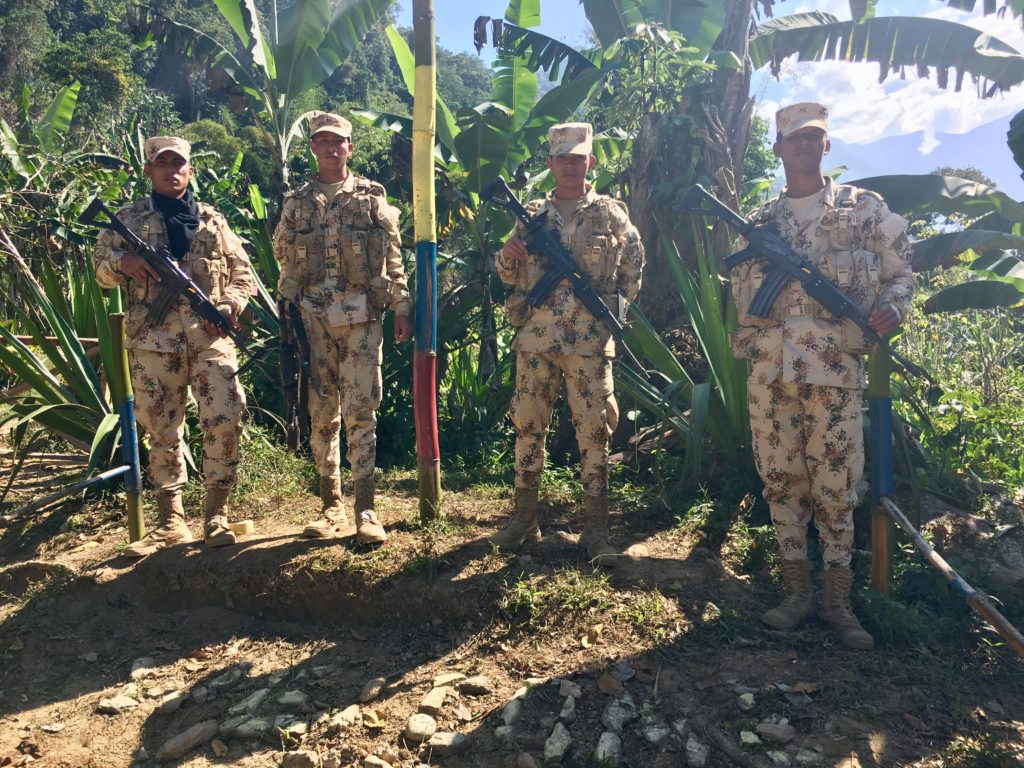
[
  {"x": 698, "y": 21},
  {"x": 540, "y": 52},
  {"x": 894, "y": 43},
  {"x": 1015, "y": 138},
  {"x": 977, "y": 294},
  {"x": 1003, "y": 266},
  {"x": 485, "y": 133},
  {"x": 943, "y": 249},
  {"x": 909, "y": 195},
  {"x": 244, "y": 20},
  {"x": 57, "y": 120}
]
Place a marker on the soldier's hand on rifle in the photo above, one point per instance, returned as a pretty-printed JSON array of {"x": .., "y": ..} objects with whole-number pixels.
[
  {"x": 215, "y": 330},
  {"x": 885, "y": 319},
  {"x": 514, "y": 250},
  {"x": 137, "y": 268},
  {"x": 403, "y": 328}
]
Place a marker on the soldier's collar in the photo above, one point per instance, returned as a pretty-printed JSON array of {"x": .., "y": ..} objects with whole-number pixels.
[{"x": 589, "y": 196}]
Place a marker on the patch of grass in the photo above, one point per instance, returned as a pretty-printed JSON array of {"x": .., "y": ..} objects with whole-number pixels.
[
  {"x": 265, "y": 464},
  {"x": 532, "y": 601},
  {"x": 982, "y": 750},
  {"x": 560, "y": 486},
  {"x": 750, "y": 549}
]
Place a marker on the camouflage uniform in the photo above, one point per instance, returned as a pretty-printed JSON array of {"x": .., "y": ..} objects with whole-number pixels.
[
  {"x": 806, "y": 367},
  {"x": 561, "y": 339},
  {"x": 167, "y": 359},
  {"x": 340, "y": 261}
]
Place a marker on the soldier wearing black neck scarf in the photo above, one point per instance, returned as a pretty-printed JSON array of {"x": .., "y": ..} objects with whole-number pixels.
[{"x": 183, "y": 350}]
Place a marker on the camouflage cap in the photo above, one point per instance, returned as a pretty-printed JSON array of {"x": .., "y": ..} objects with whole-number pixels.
[
  {"x": 806, "y": 114},
  {"x": 157, "y": 145},
  {"x": 330, "y": 122},
  {"x": 571, "y": 139}
]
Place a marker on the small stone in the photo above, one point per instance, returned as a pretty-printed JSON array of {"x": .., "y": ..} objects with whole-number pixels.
[
  {"x": 220, "y": 749},
  {"x": 116, "y": 705},
  {"x": 230, "y": 726},
  {"x": 371, "y": 690},
  {"x": 143, "y": 668},
  {"x": 777, "y": 733},
  {"x": 321, "y": 671},
  {"x": 300, "y": 759},
  {"x": 90, "y": 657},
  {"x": 739, "y": 690},
  {"x": 276, "y": 678},
  {"x": 177, "y": 747},
  {"x": 444, "y": 744},
  {"x": 172, "y": 702},
  {"x": 568, "y": 711},
  {"x": 433, "y": 702},
  {"x": 807, "y": 757},
  {"x": 253, "y": 728},
  {"x": 503, "y": 735},
  {"x": 420, "y": 727},
  {"x": 291, "y": 725},
  {"x": 656, "y": 733},
  {"x": 511, "y": 711},
  {"x": 618, "y": 713},
  {"x": 746, "y": 702},
  {"x": 557, "y": 745},
  {"x": 749, "y": 738},
  {"x": 330, "y": 760},
  {"x": 200, "y": 694},
  {"x": 478, "y": 685},
  {"x": 372, "y": 761},
  {"x": 777, "y": 758},
  {"x": 697, "y": 753},
  {"x": 250, "y": 703},
  {"x": 227, "y": 680},
  {"x": 447, "y": 678},
  {"x": 681, "y": 727},
  {"x": 799, "y": 700},
  {"x": 569, "y": 688},
  {"x": 342, "y": 721},
  {"x": 609, "y": 751},
  {"x": 297, "y": 700},
  {"x": 526, "y": 760}
]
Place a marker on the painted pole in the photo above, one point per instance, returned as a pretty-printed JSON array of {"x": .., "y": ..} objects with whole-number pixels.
[
  {"x": 424, "y": 376},
  {"x": 880, "y": 415},
  {"x": 124, "y": 398}
]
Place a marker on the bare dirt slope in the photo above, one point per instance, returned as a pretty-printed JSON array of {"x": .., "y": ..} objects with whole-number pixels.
[{"x": 265, "y": 648}]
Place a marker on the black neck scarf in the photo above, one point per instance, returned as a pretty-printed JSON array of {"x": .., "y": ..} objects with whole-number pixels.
[{"x": 181, "y": 218}]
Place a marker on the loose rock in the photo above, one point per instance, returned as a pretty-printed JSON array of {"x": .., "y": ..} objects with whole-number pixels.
[
  {"x": 297, "y": 700},
  {"x": 807, "y": 757},
  {"x": 371, "y": 690},
  {"x": 342, "y": 721},
  {"x": 749, "y": 738},
  {"x": 433, "y": 702},
  {"x": 291, "y": 725},
  {"x": 503, "y": 735},
  {"x": 697, "y": 753},
  {"x": 420, "y": 727},
  {"x": 618, "y": 713},
  {"x": 777, "y": 733},
  {"x": 227, "y": 680},
  {"x": 511, "y": 711},
  {"x": 746, "y": 702},
  {"x": 372, "y": 761},
  {"x": 609, "y": 751},
  {"x": 220, "y": 749},
  {"x": 253, "y": 728},
  {"x": 557, "y": 745},
  {"x": 447, "y": 678},
  {"x": 778, "y": 758},
  {"x": 142, "y": 668},
  {"x": 568, "y": 711},
  {"x": 250, "y": 703},
  {"x": 681, "y": 727},
  {"x": 569, "y": 688},
  {"x": 444, "y": 744},
  {"x": 116, "y": 705},
  {"x": 172, "y": 702},
  {"x": 656, "y": 733},
  {"x": 478, "y": 685},
  {"x": 200, "y": 694},
  {"x": 177, "y": 747},
  {"x": 300, "y": 759}
]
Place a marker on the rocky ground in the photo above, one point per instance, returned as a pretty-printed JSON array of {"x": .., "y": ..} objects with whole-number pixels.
[{"x": 437, "y": 650}]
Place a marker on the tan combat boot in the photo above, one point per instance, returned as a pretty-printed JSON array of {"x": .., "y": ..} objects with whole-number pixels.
[
  {"x": 216, "y": 532},
  {"x": 594, "y": 538},
  {"x": 171, "y": 531},
  {"x": 522, "y": 526},
  {"x": 799, "y": 601},
  {"x": 333, "y": 520},
  {"x": 368, "y": 527},
  {"x": 836, "y": 611}
]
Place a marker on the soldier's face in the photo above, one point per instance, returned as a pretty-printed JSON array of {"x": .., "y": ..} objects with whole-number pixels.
[
  {"x": 802, "y": 150},
  {"x": 331, "y": 150},
  {"x": 571, "y": 170},
  {"x": 169, "y": 173}
]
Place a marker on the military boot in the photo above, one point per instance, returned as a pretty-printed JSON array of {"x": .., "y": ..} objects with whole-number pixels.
[
  {"x": 216, "y": 532},
  {"x": 799, "y": 601},
  {"x": 522, "y": 526},
  {"x": 171, "y": 531},
  {"x": 333, "y": 520},
  {"x": 836, "y": 611},
  {"x": 594, "y": 538},
  {"x": 368, "y": 527}
]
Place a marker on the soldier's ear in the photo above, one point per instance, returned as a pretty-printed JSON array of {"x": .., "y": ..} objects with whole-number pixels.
[{"x": 591, "y": 163}]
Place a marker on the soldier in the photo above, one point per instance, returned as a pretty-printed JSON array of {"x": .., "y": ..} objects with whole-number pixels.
[
  {"x": 338, "y": 244},
  {"x": 806, "y": 366},
  {"x": 561, "y": 340},
  {"x": 183, "y": 350}
]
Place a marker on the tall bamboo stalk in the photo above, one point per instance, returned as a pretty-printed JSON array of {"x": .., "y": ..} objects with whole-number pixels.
[{"x": 428, "y": 452}]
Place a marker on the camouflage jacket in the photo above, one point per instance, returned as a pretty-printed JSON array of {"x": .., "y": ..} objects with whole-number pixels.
[
  {"x": 341, "y": 259},
  {"x": 862, "y": 247},
  {"x": 216, "y": 262},
  {"x": 605, "y": 245}
]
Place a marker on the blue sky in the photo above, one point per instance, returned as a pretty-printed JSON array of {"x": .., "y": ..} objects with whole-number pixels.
[{"x": 865, "y": 115}]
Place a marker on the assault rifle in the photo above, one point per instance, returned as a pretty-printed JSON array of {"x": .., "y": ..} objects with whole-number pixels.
[
  {"x": 173, "y": 281},
  {"x": 542, "y": 240},
  {"x": 296, "y": 375},
  {"x": 785, "y": 264}
]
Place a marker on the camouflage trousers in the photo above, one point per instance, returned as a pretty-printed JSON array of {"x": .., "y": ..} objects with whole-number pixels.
[
  {"x": 161, "y": 381},
  {"x": 809, "y": 451},
  {"x": 345, "y": 362},
  {"x": 588, "y": 381}
]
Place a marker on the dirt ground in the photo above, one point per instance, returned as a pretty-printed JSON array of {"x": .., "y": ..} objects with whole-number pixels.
[{"x": 311, "y": 623}]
